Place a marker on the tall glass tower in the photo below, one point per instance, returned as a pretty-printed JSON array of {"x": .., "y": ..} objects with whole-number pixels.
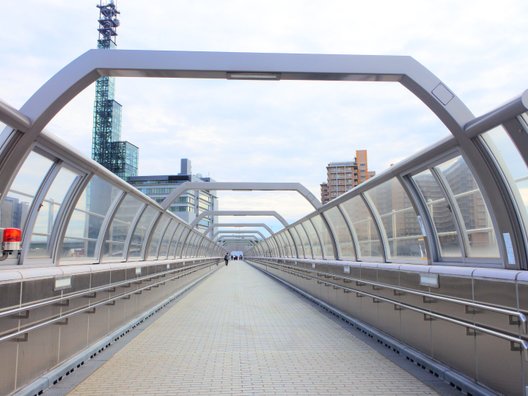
[{"x": 120, "y": 157}]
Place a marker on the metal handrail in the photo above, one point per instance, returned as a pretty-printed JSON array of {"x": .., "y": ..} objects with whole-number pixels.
[
  {"x": 96, "y": 290},
  {"x": 61, "y": 316},
  {"x": 516, "y": 340},
  {"x": 522, "y": 317}
]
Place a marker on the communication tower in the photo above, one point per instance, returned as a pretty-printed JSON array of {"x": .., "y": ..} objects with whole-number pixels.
[{"x": 120, "y": 157}]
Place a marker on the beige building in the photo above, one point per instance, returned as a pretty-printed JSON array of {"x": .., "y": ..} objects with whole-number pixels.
[{"x": 343, "y": 176}]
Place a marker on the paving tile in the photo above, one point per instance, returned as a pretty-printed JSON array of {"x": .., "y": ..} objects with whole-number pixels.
[{"x": 241, "y": 333}]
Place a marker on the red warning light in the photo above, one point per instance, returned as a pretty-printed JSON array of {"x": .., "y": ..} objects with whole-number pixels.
[{"x": 12, "y": 237}]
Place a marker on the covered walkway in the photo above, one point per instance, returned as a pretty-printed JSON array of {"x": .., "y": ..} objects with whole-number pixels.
[{"x": 240, "y": 332}]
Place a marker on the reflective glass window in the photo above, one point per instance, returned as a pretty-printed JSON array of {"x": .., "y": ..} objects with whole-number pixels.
[
  {"x": 156, "y": 237},
  {"x": 87, "y": 219},
  {"x": 116, "y": 235},
  {"x": 326, "y": 238},
  {"x": 512, "y": 164},
  {"x": 305, "y": 241},
  {"x": 165, "y": 242},
  {"x": 342, "y": 234},
  {"x": 17, "y": 202},
  {"x": 142, "y": 227},
  {"x": 363, "y": 225},
  {"x": 478, "y": 227},
  {"x": 400, "y": 220},
  {"x": 47, "y": 213},
  {"x": 314, "y": 239},
  {"x": 440, "y": 212}
]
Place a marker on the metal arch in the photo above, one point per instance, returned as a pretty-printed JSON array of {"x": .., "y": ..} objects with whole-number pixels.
[
  {"x": 239, "y": 213},
  {"x": 232, "y": 232},
  {"x": 241, "y": 186},
  {"x": 217, "y": 225},
  {"x": 76, "y": 76}
]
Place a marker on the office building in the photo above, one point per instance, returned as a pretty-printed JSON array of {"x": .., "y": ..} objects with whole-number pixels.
[
  {"x": 343, "y": 176},
  {"x": 188, "y": 205}
]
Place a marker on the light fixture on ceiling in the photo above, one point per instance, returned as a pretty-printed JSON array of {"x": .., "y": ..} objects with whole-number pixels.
[{"x": 253, "y": 76}]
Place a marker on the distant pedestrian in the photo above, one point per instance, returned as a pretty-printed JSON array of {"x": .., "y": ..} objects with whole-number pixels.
[{"x": 226, "y": 258}]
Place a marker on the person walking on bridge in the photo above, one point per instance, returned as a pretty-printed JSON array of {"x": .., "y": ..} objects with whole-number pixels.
[{"x": 226, "y": 258}]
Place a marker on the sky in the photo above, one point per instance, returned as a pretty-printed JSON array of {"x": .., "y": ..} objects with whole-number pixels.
[{"x": 279, "y": 131}]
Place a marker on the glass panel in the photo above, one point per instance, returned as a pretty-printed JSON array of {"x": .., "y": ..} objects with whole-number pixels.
[
  {"x": 165, "y": 242},
  {"x": 479, "y": 229},
  {"x": 363, "y": 225},
  {"x": 312, "y": 235},
  {"x": 136, "y": 243},
  {"x": 342, "y": 234},
  {"x": 512, "y": 164},
  {"x": 87, "y": 219},
  {"x": 179, "y": 249},
  {"x": 297, "y": 242},
  {"x": 114, "y": 243},
  {"x": 174, "y": 241},
  {"x": 305, "y": 241},
  {"x": 199, "y": 245},
  {"x": 156, "y": 237},
  {"x": 440, "y": 212},
  {"x": 47, "y": 213},
  {"x": 285, "y": 248},
  {"x": 16, "y": 204},
  {"x": 291, "y": 244},
  {"x": 322, "y": 230},
  {"x": 399, "y": 219},
  {"x": 190, "y": 245}
]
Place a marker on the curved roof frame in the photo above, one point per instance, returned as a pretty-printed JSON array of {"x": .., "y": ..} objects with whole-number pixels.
[
  {"x": 241, "y": 186},
  {"x": 239, "y": 225},
  {"x": 218, "y": 234},
  {"x": 73, "y": 78},
  {"x": 212, "y": 213}
]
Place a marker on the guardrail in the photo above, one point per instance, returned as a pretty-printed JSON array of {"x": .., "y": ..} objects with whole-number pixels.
[
  {"x": 495, "y": 337},
  {"x": 110, "y": 288}
]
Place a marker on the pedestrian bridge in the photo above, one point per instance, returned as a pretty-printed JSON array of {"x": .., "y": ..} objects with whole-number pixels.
[{"x": 428, "y": 260}]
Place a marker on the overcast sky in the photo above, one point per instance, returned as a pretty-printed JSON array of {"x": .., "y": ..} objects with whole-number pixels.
[{"x": 271, "y": 131}]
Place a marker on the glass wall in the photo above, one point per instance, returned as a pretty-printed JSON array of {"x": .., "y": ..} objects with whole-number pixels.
[
  {"x": 441, "y": 213},
  {"x": 138, "y": 238},
  {"x": 481, "y": 239},
  {"x": 363, "y": 225},
  {"x": 48, "y": 211},
  {"x": 16, "y": 204},
  {"x": 87, "y": 220},
  {"x": 343, "y": 236},
  {"x": 326, "y": 238},
  {"x": 399, "y": 219},
  {"x": 116, "y": 235},
  {"x": 156, "y": 237},
  {"x": 314, "y": 239},
  {"x": 512, "y": 165}
]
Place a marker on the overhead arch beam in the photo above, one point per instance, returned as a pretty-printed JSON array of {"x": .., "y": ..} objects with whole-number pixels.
[
  {"x": 239, "y": 225},
  {"x": 217, "y": 235},
  {"x": 80, "y": 73},
  {"x": 240, "y": 186},
  {"x": 217, "y": 213}
]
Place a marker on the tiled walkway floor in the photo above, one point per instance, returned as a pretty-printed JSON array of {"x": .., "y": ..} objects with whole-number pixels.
[{"x": 241, "y": 333}]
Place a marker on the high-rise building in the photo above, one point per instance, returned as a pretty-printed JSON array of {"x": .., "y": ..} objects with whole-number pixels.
[
  {"x": 188, "y": 205},
  {"x": 343, "y": 176},
  {"x": 120, "y": 157}
]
